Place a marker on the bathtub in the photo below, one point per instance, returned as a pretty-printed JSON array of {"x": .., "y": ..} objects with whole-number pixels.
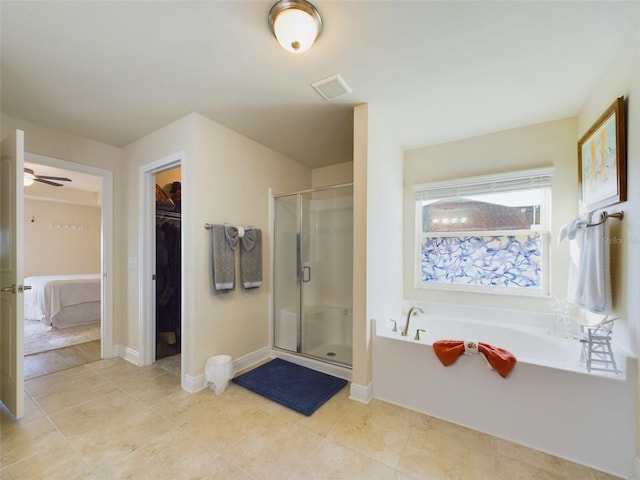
[{"x": 548, "y": 402}]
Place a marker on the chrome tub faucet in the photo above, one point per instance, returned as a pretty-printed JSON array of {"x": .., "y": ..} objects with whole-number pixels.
[{"x": 412, "y": 311}]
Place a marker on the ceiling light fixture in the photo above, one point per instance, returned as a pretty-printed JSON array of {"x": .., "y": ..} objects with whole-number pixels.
[
  {"x": 29, "y": 177},
  {"x": 296, "y": 24}
]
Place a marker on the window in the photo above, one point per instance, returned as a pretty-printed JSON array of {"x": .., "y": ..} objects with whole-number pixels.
[{"x": 488, "y": 233}]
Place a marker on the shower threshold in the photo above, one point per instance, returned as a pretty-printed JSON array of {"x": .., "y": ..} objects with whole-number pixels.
[{"x": 334, "y": 353}]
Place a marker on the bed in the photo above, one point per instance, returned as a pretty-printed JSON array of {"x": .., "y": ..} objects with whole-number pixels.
[{"x": 62, "y": 301}]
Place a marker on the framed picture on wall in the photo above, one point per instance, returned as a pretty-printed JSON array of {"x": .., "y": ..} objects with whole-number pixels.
[{"x": 602, "y": 160}]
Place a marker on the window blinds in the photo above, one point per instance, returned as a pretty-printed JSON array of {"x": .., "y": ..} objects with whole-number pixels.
[{"x": 502, "y": 182}]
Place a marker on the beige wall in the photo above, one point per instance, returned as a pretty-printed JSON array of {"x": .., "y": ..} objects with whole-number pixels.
[
  {"x": 53, "y": 143},
  {"x": 54, "y": 251},
  {"x": 225, "y": 178},
  {"x": 177, "y": 137},
  {"x": 40, "y": 191},
  {"x": 361, "y": 337},
  {"x": 541, "y": 145},
  {"x": 332, "y": 175},
  {"x": 622, "y": 78},
  {"x": 377, "y": 232},
  {"x": 236, "y": 323}
]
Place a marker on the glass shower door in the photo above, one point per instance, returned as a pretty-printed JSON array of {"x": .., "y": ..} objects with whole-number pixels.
[
  {"x": 326, "y": 257},
  {"x": 313, "y": 263},
  {"x": 286, "y": 298}
]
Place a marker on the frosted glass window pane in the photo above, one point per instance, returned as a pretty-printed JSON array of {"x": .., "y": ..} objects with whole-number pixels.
[{"x": 505, "y": 261}]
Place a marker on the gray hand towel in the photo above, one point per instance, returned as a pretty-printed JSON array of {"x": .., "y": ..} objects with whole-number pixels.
[
  {"x": 222, "y": 261},
  {"x": 251, "y": 258}
]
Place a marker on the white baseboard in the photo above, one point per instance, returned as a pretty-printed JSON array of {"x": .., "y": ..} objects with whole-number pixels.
[
  {"x": 129, "y": 354},
  {"x": 250, "y": 359},
  {"x": 361, "y": 393},
  {"x": 193, "y": 384}
]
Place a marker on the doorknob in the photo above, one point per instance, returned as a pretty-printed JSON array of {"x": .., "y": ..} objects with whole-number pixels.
[{"x": 14, "y": 288}]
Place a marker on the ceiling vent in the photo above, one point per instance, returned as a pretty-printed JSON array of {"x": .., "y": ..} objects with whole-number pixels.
[{"x": 332, "y": 87}]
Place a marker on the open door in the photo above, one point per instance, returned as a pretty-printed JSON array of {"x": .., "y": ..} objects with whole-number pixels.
[{"x": 11, "y": 274}]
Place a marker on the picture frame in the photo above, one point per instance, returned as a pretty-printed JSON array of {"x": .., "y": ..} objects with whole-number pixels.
[{"x": 602, "y": 160}]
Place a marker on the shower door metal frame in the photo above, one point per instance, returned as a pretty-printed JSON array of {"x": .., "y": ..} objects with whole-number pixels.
[{"x": 299, "y": 266}]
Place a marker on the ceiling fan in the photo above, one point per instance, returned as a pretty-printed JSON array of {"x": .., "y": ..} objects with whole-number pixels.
[{"x": 30, "y": 177}]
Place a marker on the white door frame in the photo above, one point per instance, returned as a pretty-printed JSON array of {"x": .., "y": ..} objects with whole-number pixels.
[
  {"x": 147, "y": 249},
  {"x": 107, "y": 348}
]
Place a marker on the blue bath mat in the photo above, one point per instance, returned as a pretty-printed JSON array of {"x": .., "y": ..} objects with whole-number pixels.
[{"x": 299, "y": 388}]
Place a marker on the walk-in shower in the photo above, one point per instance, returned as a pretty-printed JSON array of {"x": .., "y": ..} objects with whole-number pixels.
[{"x": 313, "y": 271}]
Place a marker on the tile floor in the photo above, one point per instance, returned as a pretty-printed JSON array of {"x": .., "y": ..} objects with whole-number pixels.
[
  {"x": 112, "y": 420},
  {"x": 55, "y": 360}
]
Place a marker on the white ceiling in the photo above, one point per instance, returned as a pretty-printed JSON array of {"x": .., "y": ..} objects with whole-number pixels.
[{"x": 436, "y": 71}]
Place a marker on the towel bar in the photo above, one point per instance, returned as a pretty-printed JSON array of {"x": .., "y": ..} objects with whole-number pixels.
[
  {"x": 603, "y": 218},
  {"x": 209, "y": 226}
]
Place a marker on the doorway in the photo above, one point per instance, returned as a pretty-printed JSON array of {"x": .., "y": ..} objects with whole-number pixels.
[
  {"x": 67, "y": 241},
  {"x": 168, "y": 276},
  {"x": 157, "y": 180}
]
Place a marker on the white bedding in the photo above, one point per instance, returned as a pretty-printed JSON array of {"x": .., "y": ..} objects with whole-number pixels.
[{"x": 52, "y": 294}]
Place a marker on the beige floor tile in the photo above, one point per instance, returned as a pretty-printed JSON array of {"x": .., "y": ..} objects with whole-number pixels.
[
  {"x": 539, "y": 460},
  {"x": 111, "y": 366},
  {"x": 225, "y": 424},
  {"x": 445, "y": 451},
  {"x": 27, "y": 440},
  {"x": 146, "y": 383},
  {"x": 273, "y": 449},
  {"x": 114, "y": 407},
  {"x": 113, "y": 420},
  {"x": 173, "y": 455},
  {"x": 332, "y": 460},
  {"x": 44, "y": 363},
  {"x": 378, "y": 430},
  {"x": 90, "y": 349},
  {"x": 603, "y": 476},
  {"x": 506, "y": 468},
  {"x": 181, "y": 407},
  {"x": 58, "y": 381},
  {"x": 34, "y": 367},
  {"x": 113, "y": 441},
  {"x": 80, "y": 354},
  {"x": 31, "y": 412},
  {"x": 74, "y": 394},
  {"x": 55, "y": 460}
]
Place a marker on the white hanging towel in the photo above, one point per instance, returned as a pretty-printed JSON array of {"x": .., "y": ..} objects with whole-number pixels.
[{"x": 589, "y": 269}]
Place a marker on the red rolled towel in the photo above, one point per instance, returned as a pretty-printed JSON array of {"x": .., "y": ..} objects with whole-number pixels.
[{"x": 501, "y": 360}]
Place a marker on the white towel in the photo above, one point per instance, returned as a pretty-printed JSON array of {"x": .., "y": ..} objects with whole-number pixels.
[
  {"x": 570, "y": 230},
  {"x": 589, "y": 269}
]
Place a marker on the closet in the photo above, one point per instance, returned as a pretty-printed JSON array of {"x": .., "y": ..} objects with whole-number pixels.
[{"x": 168, "y": 268}]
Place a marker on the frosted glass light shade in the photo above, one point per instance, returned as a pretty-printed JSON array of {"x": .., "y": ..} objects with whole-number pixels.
[
  {"x": 29, "y": 179},
  {"x": 296, "y": 24}
]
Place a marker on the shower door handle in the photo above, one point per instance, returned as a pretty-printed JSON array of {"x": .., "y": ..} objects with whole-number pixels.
[{"x": 306, "y": 274}]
